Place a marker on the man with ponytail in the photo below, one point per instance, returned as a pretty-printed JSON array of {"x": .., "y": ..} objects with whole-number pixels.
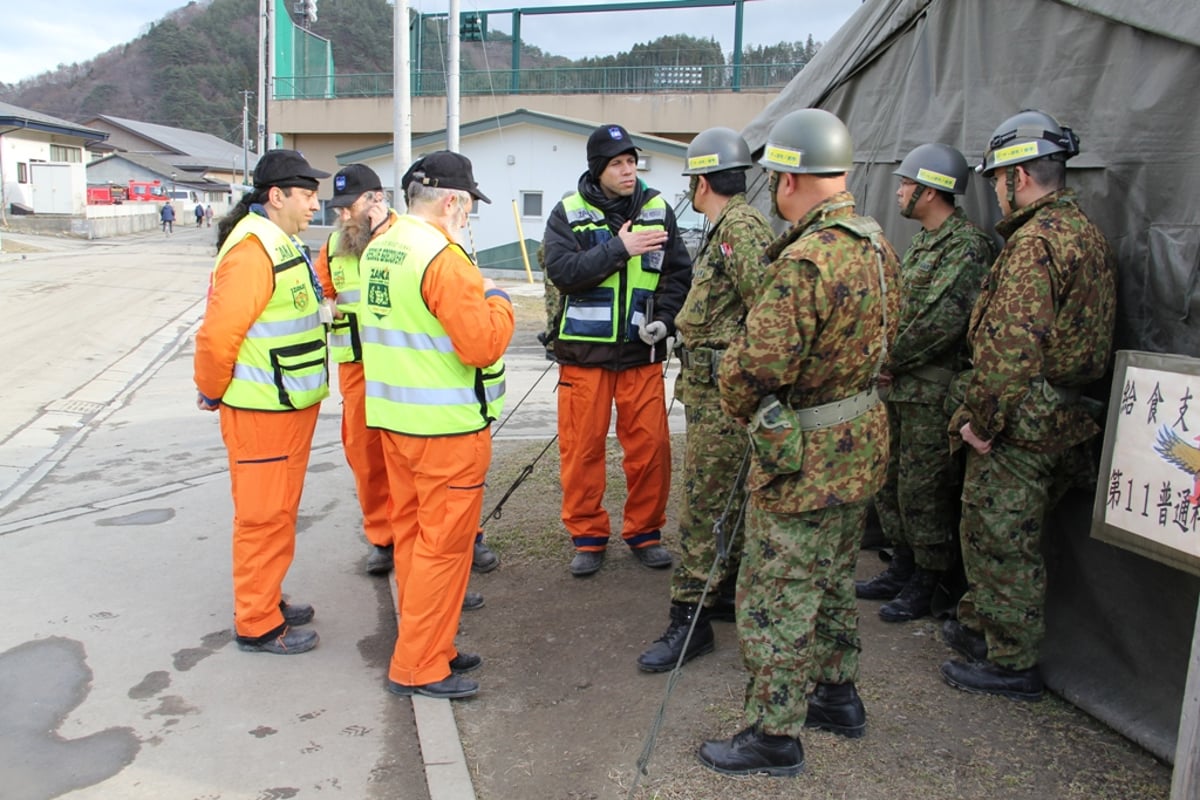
[{"x": 261, "y": 363}]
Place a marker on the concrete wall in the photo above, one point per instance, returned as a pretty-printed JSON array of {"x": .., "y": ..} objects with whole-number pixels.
[
  {"x": 104, "y": 222},
  {"x": 530, "y": 158},
  {"x": 318, "y": 127}
]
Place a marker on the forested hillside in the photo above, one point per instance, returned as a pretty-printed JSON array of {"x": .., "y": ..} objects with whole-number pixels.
[{"x": 190, "y": 68}]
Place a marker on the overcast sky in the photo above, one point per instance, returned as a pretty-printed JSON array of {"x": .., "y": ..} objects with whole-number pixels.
[{"x": 35, "y": 38}]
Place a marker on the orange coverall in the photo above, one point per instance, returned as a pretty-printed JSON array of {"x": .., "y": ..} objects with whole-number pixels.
[
  {"x": 363, "y": 446},
  {"x": 268, "y": 450},
  {"x": 437, "y": 483},
  {"x": 585, "y": 401}
]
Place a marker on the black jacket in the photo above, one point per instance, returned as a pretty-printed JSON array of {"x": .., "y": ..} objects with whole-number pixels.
[{"x": 572, "y": 268}]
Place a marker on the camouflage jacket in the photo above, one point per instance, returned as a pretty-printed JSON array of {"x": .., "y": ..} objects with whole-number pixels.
[
  {"x": 1043, "y": 321},
  {"x": 724, "y": 279},
  {"x": 941, "y": 272},
  {"x": 814, "y": 335}
]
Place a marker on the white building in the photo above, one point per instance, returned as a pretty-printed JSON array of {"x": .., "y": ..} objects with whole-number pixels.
[
  {"x": 42, "y": 162},
  {"x": 525, "y": 161}
]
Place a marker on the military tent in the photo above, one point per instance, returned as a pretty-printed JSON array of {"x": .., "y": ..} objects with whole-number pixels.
[{"x": 1125, "y": 75}]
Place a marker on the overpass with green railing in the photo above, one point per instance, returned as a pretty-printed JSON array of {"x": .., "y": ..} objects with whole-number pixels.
[{"x": 304, "y": 61}]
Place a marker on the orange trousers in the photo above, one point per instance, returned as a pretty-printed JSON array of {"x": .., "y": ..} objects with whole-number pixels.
[
  {"x": 585, "y": 400},
  {"x": 268, "y": 456},
  {"x": 437, "y": 494},
  {"x": 364, "y": 453}
]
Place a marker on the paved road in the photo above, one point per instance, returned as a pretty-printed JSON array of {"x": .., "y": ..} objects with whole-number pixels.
[{"x": 117, "y": 672}]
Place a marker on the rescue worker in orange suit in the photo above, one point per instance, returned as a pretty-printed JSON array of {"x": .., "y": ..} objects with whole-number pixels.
[
  {"x": 433, "y": 334},
  {"x": 612, "y": 249},
  {"x": 362, "y": 214},
  {"x": 361, "y": 208},
  {"x": 261, "y": 362}
]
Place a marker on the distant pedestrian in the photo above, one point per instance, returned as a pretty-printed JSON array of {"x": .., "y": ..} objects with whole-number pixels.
[
  {"x": 168, "y": 218},
  {"x": 199, "y": 215},
  {"x": 208, "y": 214}
]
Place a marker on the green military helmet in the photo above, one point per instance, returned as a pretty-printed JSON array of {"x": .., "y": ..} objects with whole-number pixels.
[
  {"x": 938, "y": 166},
  {"x": 1026, "y": 136},
  {"x": 716, "y": 150},
  {"x": 811, "y": 141}
]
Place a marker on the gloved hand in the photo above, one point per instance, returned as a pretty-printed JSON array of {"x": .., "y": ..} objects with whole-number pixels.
[{"x": 652, "y": 333}]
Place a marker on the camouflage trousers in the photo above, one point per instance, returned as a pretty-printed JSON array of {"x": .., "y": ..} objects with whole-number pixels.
[
  {"x": 713, "y": 453},
  {"x": 797, "y": 618},
  {"x": 918, "y": 505},
  {"x": 1006, "y": 496}
]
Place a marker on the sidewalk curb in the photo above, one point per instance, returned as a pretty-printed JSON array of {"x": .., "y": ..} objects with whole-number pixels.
[{"x": 446, "y": 772}]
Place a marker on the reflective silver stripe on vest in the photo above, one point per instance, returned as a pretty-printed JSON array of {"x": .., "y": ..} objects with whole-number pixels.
[
  {"x": 581, "y": 214},
  {"x": 292, "y": 383},
  {"x": 409, "y": 339},
  {"x": 652, "y": 214},
  {"x": 422, "y": 397},
  {"x": 291, "y": 327},
  {"x": 493, "y": 392},
  {"x": 589, "y": 313},
  {"x": 340, "y": 340},
  {"x": 349, "y": 296}
]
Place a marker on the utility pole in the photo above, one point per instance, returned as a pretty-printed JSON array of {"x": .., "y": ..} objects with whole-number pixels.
[
  {"x": 264, "y": 74},
  {"x": 452, "y": 77},
  {"x": 402, "y": 107},
  {"x": 246, "y": 135}
]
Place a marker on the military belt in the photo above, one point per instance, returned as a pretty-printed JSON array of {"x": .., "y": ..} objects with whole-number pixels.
[
  {"x": 827, "y": 415},
  {"x": 1067, "y": 396},
  {"x": 699, "y": 357},
  {"x": 928, "y": 372}
]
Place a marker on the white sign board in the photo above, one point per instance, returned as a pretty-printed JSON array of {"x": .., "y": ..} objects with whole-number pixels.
[{"x": 1148, "y": 489}]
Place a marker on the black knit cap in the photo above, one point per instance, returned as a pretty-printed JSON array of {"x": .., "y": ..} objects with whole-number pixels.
[
  {"x": 352, "y": 182},
  {"x": 284, "y": 168},
  {"x": 606, "y": 143},
  {"x": 444, "y": 169}
]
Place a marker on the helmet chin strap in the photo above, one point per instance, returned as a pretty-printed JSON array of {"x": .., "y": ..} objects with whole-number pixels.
[
  {"x": 773, "y": 191},
  {"x": 908, "y": 209},
  {"x": 1010, "y": 178}
]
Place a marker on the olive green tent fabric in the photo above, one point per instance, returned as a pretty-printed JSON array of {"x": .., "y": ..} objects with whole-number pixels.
[{"x": 1125, "y": 75}]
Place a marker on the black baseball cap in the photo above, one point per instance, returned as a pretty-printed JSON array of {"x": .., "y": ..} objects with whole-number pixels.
[
  {"x": 285, "y": 168},
  {"x": 351, "y": 182},
  {"x": 609, "y": 141},
  {"x": 446, "y": 170}
]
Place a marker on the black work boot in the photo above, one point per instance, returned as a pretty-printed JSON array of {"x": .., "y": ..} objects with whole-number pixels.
[
  {"x": 984, "y": 677},
  {"x": 664, "y": 653},
  {"x": 837, "y": 708},
  {"x": 962, "y": 639},
  {"x": 913, "y": 600},
  {"x": 752, "y": 752},
  {"x": 887, "y": 584}
]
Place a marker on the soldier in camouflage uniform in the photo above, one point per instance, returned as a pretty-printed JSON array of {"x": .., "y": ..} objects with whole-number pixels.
[
  {"x": 1041, "y": 330},
  {"x": 724, "y": 279},
  {"x": 941, "y": 272},
  {"x": 804, "y": 372}
]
